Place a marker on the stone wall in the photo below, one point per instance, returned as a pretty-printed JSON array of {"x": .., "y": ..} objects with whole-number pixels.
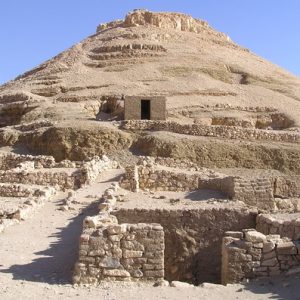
[
  {"x": 60, "y": 178},
  {"x": 193, "y": 237},
  {"x": 285, "y": 225},
  {"x": 287, "y": 186},
  {"x": 110, "y": 251},
  {"x": 90, "y": 170},
  {"x": 228, "y": 132},
  {"x": 251, "y": 254},
  {"x": 43, "y": 170},
  {"x": 254, "y": 191},
  {"x": 11, "y": 161}
]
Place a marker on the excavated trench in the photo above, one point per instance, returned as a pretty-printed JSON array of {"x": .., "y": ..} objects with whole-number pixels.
[{"x": 193, "y": 238}]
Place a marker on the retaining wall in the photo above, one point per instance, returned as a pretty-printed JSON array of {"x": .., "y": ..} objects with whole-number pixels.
[{"x": 228, "y": 132}]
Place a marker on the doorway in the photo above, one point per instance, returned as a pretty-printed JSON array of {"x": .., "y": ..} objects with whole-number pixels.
[{"x": 145, "y": 109}]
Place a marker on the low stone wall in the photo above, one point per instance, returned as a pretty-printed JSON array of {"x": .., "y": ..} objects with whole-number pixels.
[
  {"x": 61, "y": 179},
  {"x": 17, "y": 190},
  {"x": 287, "y": 186},
  {"x": 193, "y": 237},
  {"x": 251, "y": 254},
  {"x": 110, "y": 251},
  {"x": 286, "y": 226},
  {"x": 228, "y": 132},
  {"x": 11, "y": 161},
  {"x": 26, "y": 169},
  {"x": 152, "y": 177},
  {"x": 255, "y": 191},
  {"x": 92, "y": 169},
  {"x": 170, "y": 162}
]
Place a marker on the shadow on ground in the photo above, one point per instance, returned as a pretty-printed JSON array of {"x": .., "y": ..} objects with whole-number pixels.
[
  {"x": 205, "y": 194},
  {"x": 57, "y": 264}
]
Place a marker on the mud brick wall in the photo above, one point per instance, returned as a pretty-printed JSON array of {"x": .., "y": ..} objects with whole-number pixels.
[
  {"x": 251, "y": 254},
  {"x": 193, "y": 238},
  {"x": 228, "y": 132},
  {"x": 126, "y": 252},
  {"x": 267, "y": 224}
]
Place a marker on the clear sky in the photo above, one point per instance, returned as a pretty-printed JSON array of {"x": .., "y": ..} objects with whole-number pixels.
[{"x": 32, "y": 31}]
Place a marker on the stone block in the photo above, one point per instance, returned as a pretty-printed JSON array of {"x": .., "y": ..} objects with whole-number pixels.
[
  {"x": 286, "y": 248},
  {"x": 116, "y": 273},
  {"x": 132, "y": 253},
  {"x": 268, "y": 246},
  {"x": 110, "y": 262},
  {"x": 269, "y": 262},
  {"x": 154, "y": 273},
  {"x": 254, "y": 237},
  {"x": 269, "y": 255}
]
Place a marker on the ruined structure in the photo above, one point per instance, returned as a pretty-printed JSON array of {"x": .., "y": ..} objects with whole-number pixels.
[{"x": 206, "y": 139}]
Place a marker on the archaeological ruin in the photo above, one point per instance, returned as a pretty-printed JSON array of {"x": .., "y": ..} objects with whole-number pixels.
[{"x": 170, "y": 156}]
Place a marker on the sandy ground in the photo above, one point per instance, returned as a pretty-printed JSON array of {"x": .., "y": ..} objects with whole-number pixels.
[{"x": 37, "y": 256}]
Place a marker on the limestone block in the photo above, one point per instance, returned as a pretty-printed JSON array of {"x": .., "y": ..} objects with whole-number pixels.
[
  {"x": 268, "y": 246},
  {"x": 116, "y": 273},
  {"x": 269, "y": 262},
  {"x": 254, "y": 237},
  {"x": 286, "y": 248},
  {"x": 110, "y": 262},
  {"x": 132, "y": 254}
]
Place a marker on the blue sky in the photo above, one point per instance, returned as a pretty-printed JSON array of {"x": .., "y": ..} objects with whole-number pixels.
[{"x": 32, "y": 31}]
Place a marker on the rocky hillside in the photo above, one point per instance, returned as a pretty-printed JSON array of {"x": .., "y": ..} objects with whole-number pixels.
[{"x": 206, "y": 77}]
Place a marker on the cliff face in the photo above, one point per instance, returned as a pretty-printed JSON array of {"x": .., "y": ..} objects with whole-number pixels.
[{"x": 203, "y": 74}]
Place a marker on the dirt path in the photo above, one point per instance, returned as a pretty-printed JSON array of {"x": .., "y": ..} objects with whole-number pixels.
[{"x": 37, "y": 256}]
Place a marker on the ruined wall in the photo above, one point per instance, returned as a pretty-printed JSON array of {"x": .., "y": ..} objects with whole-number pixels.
[
  {"x": 11, "y": 161},
  {"x": 228, "y": 132},
  {"x": 287, "y": 186},
  {"x": 61, "y": 179},
  {"x": 251, "y": 254},
  {"x": 285, "y": 227},
  {"x": 133, "y": 107},
  {"x": 193, "y": 238},
  {"x": 254, "y": 191},
  {"x": 110, "y": 251}
]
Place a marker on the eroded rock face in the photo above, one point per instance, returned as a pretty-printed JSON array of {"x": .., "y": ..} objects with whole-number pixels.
[{"x": 165, "y": 20}]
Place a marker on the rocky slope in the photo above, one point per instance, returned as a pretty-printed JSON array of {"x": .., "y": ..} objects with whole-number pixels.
[{"x": 203, "y": 74}]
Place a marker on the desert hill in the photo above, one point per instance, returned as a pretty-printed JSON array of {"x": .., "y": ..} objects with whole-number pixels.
[{"x": 206, "y": 78}]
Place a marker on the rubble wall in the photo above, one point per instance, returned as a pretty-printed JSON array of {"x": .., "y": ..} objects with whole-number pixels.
[
  {"x": 268, "y": 224},
  {"x": 109, "y": 251},
  {"x": 251, "y": 254}
]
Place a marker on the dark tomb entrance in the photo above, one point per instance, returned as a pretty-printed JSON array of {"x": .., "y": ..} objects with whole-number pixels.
[{"x": 145, "y": 109}]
